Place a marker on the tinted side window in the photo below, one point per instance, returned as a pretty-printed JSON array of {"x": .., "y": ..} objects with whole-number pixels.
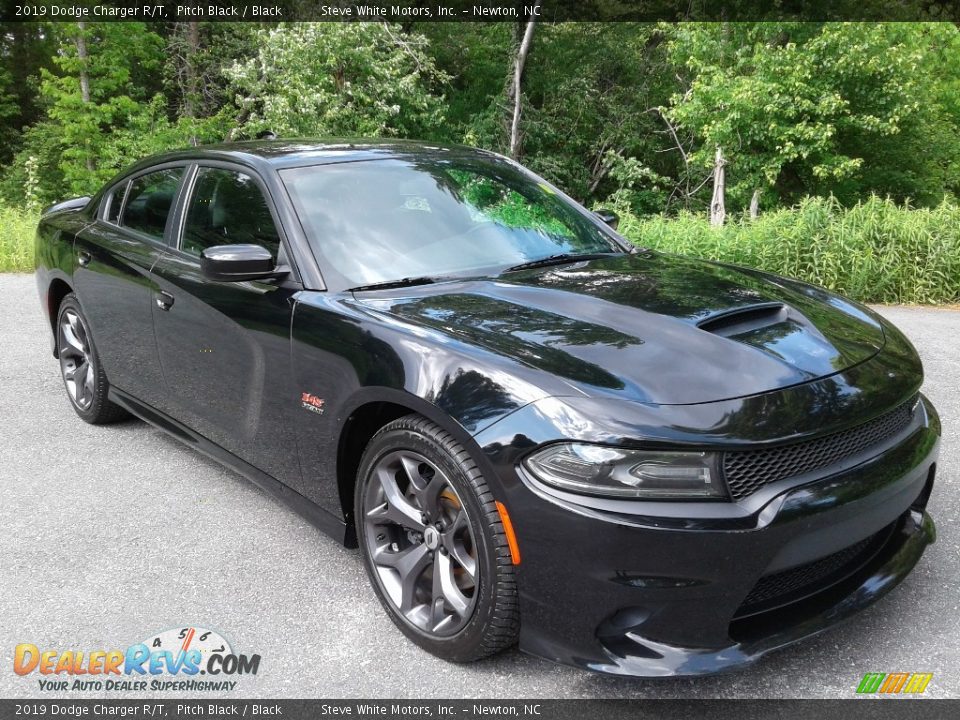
[
  {"x": 149, "y": 199},
  {"x": 116, "y": 203},
  {"x": 228, "y": 208}
]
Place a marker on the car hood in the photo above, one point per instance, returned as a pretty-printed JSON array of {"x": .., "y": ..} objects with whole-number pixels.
[{"x": 651, "y": 327}]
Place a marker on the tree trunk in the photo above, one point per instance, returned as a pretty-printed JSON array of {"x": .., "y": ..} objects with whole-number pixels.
[
  {"x": 81, "y": 44},
  {"x": 755, "y": 204},
  {"x": 190, "y": 70},
  {"x": 518, "y": 66},
  {"x": 191, "y": 93},
  {"x": 718, "y": 211}
]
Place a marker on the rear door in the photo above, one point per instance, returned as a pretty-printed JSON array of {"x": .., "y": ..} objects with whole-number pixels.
[
  {"x": 225, "y": 346},
  {"x": 113, "y": 279}
]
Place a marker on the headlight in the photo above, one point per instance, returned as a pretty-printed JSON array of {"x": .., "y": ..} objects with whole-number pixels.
[{"x": 615, "y": 472}]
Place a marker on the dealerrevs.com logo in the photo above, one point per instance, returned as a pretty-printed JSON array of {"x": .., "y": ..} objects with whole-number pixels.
[{"x": 182, "y": 659}]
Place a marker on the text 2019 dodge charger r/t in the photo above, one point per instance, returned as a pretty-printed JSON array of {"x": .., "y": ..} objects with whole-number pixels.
[{"x": 627, "y": 461}]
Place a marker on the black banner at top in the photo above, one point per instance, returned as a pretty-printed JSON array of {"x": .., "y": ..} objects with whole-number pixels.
[{"x": 477, "y": 10}]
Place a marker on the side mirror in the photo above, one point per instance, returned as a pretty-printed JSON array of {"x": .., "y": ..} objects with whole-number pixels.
[
  {"x": 233, "y": 263},
  {"x": 609, "y": 217}
]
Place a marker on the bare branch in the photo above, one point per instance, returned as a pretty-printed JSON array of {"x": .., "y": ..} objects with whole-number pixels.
[
  {"x": 405, "y": 46},
  {"x": 517, "y": 77}
]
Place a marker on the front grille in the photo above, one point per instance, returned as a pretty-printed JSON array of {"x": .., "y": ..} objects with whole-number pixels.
[
  {"x": 746, "y": 471},
  {"x": 805, "y": 579}
]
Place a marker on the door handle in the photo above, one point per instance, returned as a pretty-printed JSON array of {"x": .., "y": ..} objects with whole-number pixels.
[
  {"x": 164, "y": 300},
  {"x": 83, "y": 258}
]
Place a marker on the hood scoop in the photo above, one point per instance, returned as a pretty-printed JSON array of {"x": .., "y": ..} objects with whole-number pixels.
[
  {"x": 745, "y": 319},
  {"x": 778, "y": 330}
]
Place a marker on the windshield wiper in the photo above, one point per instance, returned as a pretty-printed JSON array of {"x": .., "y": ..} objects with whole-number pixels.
[
  {"x": 558, "y": 259},
  {"x": 387, "y": 284}
]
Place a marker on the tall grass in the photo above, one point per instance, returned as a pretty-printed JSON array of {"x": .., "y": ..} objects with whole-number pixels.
[
  {"x": 877, "y": 251},
  {"x": 17, "y": 228}
]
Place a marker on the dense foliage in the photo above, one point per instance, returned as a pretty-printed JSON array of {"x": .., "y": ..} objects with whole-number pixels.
[
  {"x": 620, "y": 114},
  {"x": 845, "y": 109},
  {"x": 338, "y": 79},
  {"x": 875, "y": 251},
  {"x": 632, "y": 111}
]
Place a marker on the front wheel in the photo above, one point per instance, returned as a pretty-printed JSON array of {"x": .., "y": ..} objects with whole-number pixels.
[
  {"x": 433, "y": 542},
  {"x": 83, "y": 376}
]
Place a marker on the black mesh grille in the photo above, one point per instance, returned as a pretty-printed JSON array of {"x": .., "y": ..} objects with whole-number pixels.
[
  {"x": 826, "y": 570},
  {"x": 748, "y": 470}
]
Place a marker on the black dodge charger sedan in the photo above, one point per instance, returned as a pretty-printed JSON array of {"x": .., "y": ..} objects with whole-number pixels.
[{"x": 627, "y": 461}]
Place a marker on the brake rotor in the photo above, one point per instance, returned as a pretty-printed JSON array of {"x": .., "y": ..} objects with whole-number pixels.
[{"x": 459, "y": 573}]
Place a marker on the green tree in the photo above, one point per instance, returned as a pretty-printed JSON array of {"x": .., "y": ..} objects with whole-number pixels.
[
  {"x": 25, "y": 48},
  {"x": 8, "y": 104},
  {"x": 339, "y": 79},
  {"x": 104, "y": 89},
  {"x": 105, "y": 107},
  {"x": 197, "y": 54},
  {"x": 588, "y": 89},
  {"x": 801, "y": 108}
]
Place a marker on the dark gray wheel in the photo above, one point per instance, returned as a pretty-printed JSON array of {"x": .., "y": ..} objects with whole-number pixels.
[
  {"x": 83, "y": 377},
  {"x": 423, "y": 548},
  {"x": 433, "y": 543}
]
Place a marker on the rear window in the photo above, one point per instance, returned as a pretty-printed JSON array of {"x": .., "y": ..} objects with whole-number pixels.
[{"x": 115, "y": 203}]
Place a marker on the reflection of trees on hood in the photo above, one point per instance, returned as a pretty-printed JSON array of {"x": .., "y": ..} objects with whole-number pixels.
[
  {"x": 471, "y": 397},
  {"x": 528, "y": 334}
]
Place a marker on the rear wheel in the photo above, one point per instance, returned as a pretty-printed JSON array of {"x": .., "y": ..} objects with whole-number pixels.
[
  {"x": 80, "y": 367},
  {"x": 433, "y": 543}
]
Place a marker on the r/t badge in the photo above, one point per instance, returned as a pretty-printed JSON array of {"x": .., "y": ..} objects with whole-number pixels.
[{"x": 312, "y": 403}]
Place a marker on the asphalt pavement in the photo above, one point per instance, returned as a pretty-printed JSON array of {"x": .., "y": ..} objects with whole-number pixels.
[{"x": 109, "y": 535}]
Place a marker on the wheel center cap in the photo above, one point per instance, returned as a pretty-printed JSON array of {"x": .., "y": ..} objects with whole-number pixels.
[{"x": 431, "y": 537}]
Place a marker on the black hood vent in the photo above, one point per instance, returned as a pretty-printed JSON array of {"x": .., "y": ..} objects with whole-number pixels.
[{"x": 748, "y": 318}]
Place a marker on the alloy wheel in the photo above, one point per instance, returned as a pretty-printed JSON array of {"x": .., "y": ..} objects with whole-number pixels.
[
  {"x": 76, "y": 360},
  {"x": 419, "y": 539}
]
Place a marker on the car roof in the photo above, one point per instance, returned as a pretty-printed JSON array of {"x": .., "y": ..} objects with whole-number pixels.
[{"x": 299, "y": 152}]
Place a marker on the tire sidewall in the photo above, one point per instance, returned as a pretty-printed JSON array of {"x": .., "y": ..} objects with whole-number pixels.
[{"x": 467, "y": 643}]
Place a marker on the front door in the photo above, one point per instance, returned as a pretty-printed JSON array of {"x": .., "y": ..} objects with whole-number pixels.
[{"x": 225, "y": 346}]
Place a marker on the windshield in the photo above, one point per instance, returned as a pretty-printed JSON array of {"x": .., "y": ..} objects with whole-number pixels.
[{"x": 384, "y": 220}]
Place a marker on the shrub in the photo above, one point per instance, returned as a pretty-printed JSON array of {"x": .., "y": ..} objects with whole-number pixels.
[
  {"x": 876, "y": 251},
  {"x": 17, "y": 228}
]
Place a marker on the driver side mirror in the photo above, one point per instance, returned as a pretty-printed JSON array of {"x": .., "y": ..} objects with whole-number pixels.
[
  {"x": 609, "y": 217},
  {"x": 234, "y": 263}
]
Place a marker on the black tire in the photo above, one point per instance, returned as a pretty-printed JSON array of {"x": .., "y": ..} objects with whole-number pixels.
[
  {"x": 89, "y": 395},
  {"x": 494, "y": 621}
]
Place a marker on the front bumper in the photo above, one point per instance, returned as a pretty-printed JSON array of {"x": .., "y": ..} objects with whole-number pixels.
[{"x": 633, "y": 594}]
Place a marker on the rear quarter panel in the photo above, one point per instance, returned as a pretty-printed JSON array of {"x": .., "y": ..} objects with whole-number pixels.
[{"x": 54, "y": 258}]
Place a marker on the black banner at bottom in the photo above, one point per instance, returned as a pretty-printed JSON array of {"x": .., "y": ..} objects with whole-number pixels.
[{"x": 853, "y": 709}]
